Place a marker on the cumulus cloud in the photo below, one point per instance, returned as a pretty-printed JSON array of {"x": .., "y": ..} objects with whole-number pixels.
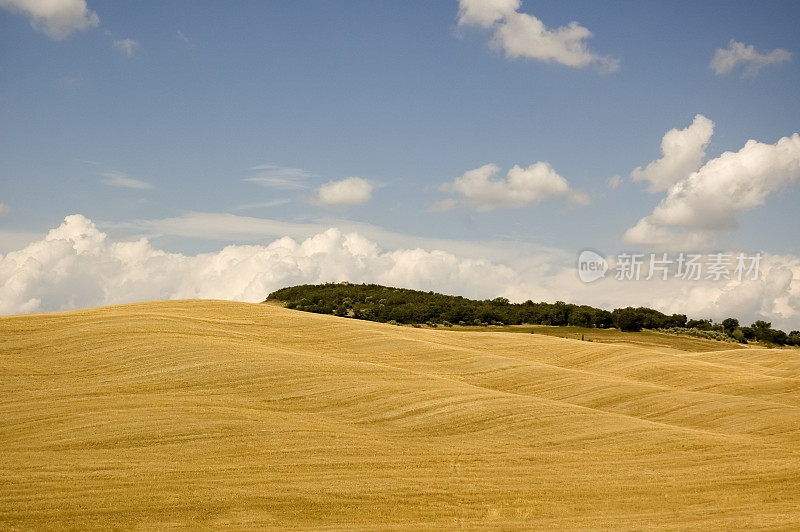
[
  {"x": 682, "y": 152},
  {"x": 725, "y": 60},
  {"x": 648, "y": 232},
  {"x": 127, "y": 47},
  {"x": 480, "y": 188},
  {"x": 523, "y": 35},
  {"x": 76, "y": 265},
  {"x": 707, "y": 201},
  {"x": 279, "y": 177},
  {"x": 486, "y": 12},
  {"x": 55, "y": 18},
  {"x": 118, "y": 179},
  {"x": 4, "y": 209},
  {"x": 348, "y": 191}
]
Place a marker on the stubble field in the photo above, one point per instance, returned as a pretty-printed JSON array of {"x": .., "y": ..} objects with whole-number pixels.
[{"x": 233, "y": 415}]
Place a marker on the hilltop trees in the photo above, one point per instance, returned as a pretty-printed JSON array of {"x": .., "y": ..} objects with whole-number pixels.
[{"x": 399, "y": 305}]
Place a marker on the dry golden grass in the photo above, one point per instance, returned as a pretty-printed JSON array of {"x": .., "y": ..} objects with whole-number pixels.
[{"x": 229, "y": 415}]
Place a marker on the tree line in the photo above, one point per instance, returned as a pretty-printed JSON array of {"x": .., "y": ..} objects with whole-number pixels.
[{"x": 404, "y": 306}]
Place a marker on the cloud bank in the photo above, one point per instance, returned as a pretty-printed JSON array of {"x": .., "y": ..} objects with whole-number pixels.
[
  {"x": 725, "y": 60},
  {"x": 522, "y": 35},
  {"x": 76, "y": 265},
  {"x": 55, "y": 18},
  {"x": 481, "y": 190}
]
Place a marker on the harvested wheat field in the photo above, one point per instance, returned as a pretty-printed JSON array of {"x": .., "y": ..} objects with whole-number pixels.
[{"x": 230, "y": 415}]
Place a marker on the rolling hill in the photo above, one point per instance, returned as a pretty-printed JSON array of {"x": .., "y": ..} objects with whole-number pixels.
[{"x": 233, "y": 415}]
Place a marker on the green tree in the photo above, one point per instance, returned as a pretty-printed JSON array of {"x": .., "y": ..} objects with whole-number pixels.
[
  {"x": 729, "y": 324},
  {"x": 627, "y": 319}
]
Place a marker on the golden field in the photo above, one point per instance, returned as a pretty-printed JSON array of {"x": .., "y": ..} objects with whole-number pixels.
[{"x": 212, "y": 414}]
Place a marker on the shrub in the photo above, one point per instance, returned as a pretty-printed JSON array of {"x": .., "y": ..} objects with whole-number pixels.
[{"x": 699, "y": 333}]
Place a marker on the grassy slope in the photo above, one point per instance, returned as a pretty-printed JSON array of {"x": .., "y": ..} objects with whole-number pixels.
[
  {"x": 227, "y": 414},
  {"x": 645, "y": 338}
]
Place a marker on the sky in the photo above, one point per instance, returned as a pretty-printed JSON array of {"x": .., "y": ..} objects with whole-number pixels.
[{"x": 183, "y": 149}]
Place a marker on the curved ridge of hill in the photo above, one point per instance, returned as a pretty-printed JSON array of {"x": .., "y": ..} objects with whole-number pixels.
[{"x": 220, "y": 414}]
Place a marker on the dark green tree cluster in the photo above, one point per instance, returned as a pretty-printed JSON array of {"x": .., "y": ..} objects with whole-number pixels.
[
  {"x": 763, "y": 332},
  {"x": 400, "y": 305},
  {"x": 638, "y": 318}
]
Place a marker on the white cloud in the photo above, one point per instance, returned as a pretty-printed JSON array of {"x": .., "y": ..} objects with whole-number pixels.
[
  {"x": 76, "y": 265},
  {"x": 707, "y": 201},
  {"x": 127, "y": 47},
  {"x": 118, "y": 179},
  {"x": 737, "y": 53},
  {"x": 646, "y": 232},
  {"x": 682, "y": 150},
  {"x": 480, "y": 189},
  {"x": 4, "y": 209},
  {"x": 486, "y": 12},
  {"x": 55, "y": 18},
  {"x": 272, "y": 176},
  {"x": 348, "y": 191},
  {"x": 523, "y": 35}
]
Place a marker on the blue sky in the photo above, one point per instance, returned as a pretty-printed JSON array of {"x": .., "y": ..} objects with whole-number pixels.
[{"x": 406, "y": 96}]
